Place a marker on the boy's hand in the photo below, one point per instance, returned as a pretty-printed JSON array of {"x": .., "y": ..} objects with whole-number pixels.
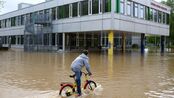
[{"x": 89, "y": 74}]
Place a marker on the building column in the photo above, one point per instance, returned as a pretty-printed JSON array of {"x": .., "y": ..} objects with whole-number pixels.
[
  {"x": 63, "y": 41},
  {"x": 110, "y": 42},
  {"x": 16, "y": 40},
  {"x": 101, "y": 39},
  {"x": 123, "y": 42},
  {"x": 19, "y": 40},
  {"x": 85, "y": 40},
  {"x": 142, "y": 43},
  {"x": 77, "y": 40},
  {"x": 92, "y": 38},
  {"x": 162, "y": 44},
  {"x": 56, "y": 39},
  {"x": 105, "y": 38}
]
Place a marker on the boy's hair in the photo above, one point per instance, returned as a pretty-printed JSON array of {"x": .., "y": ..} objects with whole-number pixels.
[{"x": 85, "y": 51}]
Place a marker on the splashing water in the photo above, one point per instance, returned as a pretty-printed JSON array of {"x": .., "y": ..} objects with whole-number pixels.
[{"x": 55, "y": 94}]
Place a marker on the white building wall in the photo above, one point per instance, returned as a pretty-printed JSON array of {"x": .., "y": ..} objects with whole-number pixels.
[{"x": 98, "y": 22}]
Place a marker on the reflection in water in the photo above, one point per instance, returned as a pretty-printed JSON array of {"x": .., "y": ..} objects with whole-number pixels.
[{"x": 128, "y": 75}]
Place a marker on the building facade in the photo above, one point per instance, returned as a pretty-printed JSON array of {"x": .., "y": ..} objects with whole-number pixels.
[{"x": 75, "y": 24}]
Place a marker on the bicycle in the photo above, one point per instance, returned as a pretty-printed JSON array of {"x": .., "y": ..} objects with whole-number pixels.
[{"x": 68, "y": 88}]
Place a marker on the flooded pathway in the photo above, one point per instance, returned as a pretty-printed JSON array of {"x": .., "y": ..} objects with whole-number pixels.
[{"x": 129, "y": 75}]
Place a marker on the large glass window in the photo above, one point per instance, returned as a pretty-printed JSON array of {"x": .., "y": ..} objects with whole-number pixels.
[
  {"x": 159, "y": 17},
  {"x": 66, "y": 11},
  {"x": 128, "y": 8},
  {"x": 100, "y": 6},
  {"x": 106, "y": 5},
  {"x": 167, "y": 18},
  {"x": 90, "y": 6},
  {"x": 164, "y": 18},
  {"x": 16, "y": 22},
  {"x": 63, "y": 11},
  {"x": 135, "y": 9},
  {"x": 142, "y": 11},
  {"x": 95, "y": 6},
  {"x": 74, "y": 9},
  {"x": 147, "y": 13},
  {"x": 22, "y": 19},
  {"x": 155, "y": 15},
  {"x": 0, "y": 24},
  {"x": 84, "y": 7},
  {"x": 27, "y": 18},
  {"x": 19, "y": 20},
  {"x": 47, "y": 13},
  {"x": 151, "y": 14},
  {"x": 60, "y": 12},
  {"x": 13, "y": 19},
  {"x": 53, "y": 13},
  {"x": 5, "y": 23},
  {"x": 122, "y": 7}
]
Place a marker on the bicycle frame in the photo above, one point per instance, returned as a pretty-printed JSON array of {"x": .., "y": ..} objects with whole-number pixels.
[{"x": 74, "y": 85}]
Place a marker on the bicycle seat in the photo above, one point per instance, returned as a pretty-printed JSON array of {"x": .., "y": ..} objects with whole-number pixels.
[{"x": 72, "y": 76}]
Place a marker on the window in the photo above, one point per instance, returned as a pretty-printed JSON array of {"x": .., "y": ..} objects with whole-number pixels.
[
  {"x": 16, "y": 22},
  {"x": 63, "y": 11},
  {"x": 5, "y": 23},
  {"x": 27, "y": 18},
  {"x": 32, "y": 17},
  {"x": 47, "y": 14},
  {"x": 147, "y": 13},
  {"x": 84, "y": 8},
  {"x": 101, "y": 6},
  {"x": 95, "y": 6},
  {"x": 167, "y": 18},
  {"x": 164, "y": 18},
  {"x": 60, "y": 12},
  {"x": 0, "y": 23},
  {"x": 74, "y": 9},
  {"x": 53, "y": 13},
  {"x": 142, "y": 11},
  {"x": 129, "y": 8},
  {"x": 135, "y": 10},
  {"x": 106, "y": 5},
  {"x": 13, "y": 19},
  {"x": 159, "y": 17},
  {"x": 70, "y": 10},
  {"x": 19, "y": 20},
  {"x": 79, "y": 8},
  {"x": 122, "y": 6},
  {"x": 155, "y": 15},
  {"x": 22, "y": 20},
  {"x": 151, "y": 14},
  {"x": 66, "y": 11},
  {"x": 90, "y": 7}
]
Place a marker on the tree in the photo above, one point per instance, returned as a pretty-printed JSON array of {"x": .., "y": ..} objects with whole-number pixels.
[{"x": 171, "y": 4}]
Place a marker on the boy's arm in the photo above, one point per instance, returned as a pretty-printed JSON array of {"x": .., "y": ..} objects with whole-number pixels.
[{"x": 87, "y": 67}]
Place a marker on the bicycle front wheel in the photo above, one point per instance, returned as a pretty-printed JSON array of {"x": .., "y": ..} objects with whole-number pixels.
[
  {"x": 90, "y": 85},
  {"x": 66, "y": 90}
]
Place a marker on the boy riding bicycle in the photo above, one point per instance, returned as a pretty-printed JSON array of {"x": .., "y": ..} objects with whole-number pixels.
[{"x": 77, "y": 65}]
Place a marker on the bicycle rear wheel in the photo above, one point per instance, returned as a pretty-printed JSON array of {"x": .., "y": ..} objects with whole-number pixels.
[
  {"x": 66, "y": 90},
  {"x": 90, "y": 85}
]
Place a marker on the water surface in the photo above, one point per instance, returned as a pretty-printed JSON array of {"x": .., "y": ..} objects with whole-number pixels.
[{"x": 128, "y": 75}]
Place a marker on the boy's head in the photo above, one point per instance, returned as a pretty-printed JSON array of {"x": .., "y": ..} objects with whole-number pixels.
[{"x": 85, "y": 51}]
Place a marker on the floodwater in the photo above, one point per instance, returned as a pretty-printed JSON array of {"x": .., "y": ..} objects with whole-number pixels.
[{"x": 128, "y": 75}]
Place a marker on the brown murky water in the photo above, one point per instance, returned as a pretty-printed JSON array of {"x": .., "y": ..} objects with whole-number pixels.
[{"x": 129, "y": 75}]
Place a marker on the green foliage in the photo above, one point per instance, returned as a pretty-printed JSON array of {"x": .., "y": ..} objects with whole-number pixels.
[
  {"x": 153, "y": 39},
  {"x": 171, "y": 4},
  {"x": 135, "y": 46}
]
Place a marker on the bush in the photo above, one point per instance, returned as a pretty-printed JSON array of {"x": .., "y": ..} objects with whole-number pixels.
[{"x": 135, "y": 46}]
